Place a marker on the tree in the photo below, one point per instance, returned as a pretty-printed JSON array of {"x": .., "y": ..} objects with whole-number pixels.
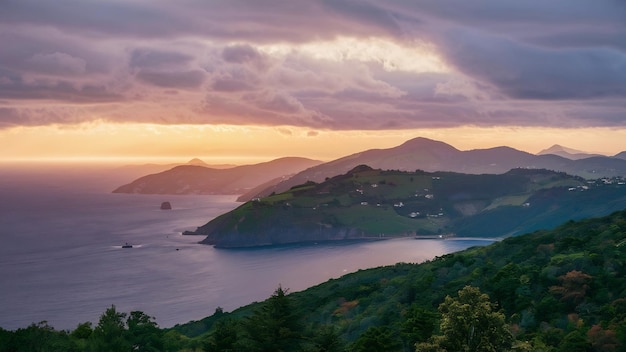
[
  {"x": 37, "y": 337},
  {"x": 143, "y": 333},
  {"x": 6, "y": 338},
  {"x": 82, "y": 334},
  {"x": 602, "y": 340},
  {"x": 174, "y": 341},
  {"x": 469, "y": 323},
  {"x": 377, "y": 338},
  {"x": 109, "y": 334},
  {"x": 326, "y": 339},
  {"x": 574, "y": 287},
  {"x": 224, "y": 336},
  {"x": 274, "y": 327},
  {"x": 419, "y": 324},
  {"x": 83, "y": 331},
  {"x": 574, "y": 341}
]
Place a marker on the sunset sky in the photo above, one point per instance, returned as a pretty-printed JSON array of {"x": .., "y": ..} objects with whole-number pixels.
[{"x": 241, "y": 81}]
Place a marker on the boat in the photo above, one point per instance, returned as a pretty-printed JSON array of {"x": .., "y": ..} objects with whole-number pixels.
[{"x": 127, "y": 245}]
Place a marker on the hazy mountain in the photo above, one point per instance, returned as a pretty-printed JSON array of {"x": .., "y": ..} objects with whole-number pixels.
[
  {"x": 568, "y": 153},
  {"x": 366, "y": 203},
  {"x": 621, "y": 155},
  {"x": 429, "y": 155},
  {"x": 195, "y": 179},
  {"x": 134, "y": 171}
]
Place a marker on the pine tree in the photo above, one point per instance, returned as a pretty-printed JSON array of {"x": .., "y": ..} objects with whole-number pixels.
[{"x": 274, "y": 327}]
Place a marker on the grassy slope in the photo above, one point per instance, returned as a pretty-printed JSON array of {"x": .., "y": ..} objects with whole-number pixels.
[{"x": 366, "y": 201}]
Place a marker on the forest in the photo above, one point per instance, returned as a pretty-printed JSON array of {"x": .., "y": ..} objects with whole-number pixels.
[{"x": 551, "y": 290}]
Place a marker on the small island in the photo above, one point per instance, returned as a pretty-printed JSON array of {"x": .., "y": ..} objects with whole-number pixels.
[{"x": 166, "y": 206}]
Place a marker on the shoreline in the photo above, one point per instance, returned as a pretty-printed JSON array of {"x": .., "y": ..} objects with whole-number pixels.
[{"x": 349, "y": 241}]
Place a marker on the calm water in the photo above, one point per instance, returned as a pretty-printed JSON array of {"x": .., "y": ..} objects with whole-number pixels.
[{"x": 61, "y": 258}]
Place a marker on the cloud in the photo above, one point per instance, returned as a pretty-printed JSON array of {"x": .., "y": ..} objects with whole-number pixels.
[
  {"x": 322, "y": 64},
  {"x": 277, "y": 102},
  {"x": 245, "y": 54},
  {"x": 285, "y": 131},
  {"x": 37, "y": 50},
  {"x": 156, "y": 58},
  {"x": 235, "y": 80},
  {"x": 172, "y": 79},
  {"x": 13, "y": 86},
  {"x": 13, "y": 117},
  {"x": 57, "y": 63},
  {"x": 527, "y": 72}
]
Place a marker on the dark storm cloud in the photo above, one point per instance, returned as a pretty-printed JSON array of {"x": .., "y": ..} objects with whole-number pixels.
[{"x": 535, "y": 62}]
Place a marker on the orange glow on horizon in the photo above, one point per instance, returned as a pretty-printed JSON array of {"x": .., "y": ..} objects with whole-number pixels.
[{"x": 229, "y": 144}]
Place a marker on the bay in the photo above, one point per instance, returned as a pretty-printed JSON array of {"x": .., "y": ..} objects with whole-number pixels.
[{"x": 62, "y": 261}]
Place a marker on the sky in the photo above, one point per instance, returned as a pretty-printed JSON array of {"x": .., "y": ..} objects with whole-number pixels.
[{"x": 244, "y": 80}]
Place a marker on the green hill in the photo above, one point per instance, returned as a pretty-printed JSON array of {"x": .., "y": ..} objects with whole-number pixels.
[{"x": 366, "y": 203}]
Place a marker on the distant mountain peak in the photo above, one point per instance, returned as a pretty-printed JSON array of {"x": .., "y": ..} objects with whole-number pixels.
[
  {"x": 555, "y": 149},
  {"x": 196, "y": 161},
  {"x": 569, "y": 153},
  {"x": 423, "y": 142}
]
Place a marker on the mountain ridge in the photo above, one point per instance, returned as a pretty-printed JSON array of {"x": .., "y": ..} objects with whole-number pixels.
[
  {"x": 197, "y": 179},
  {"x": 431, "y": 155}
]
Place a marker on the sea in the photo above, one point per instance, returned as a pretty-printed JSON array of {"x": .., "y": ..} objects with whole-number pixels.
[{"x": 62, "y": 261}]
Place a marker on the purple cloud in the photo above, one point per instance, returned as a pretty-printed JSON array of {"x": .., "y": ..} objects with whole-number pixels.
[
  {"x": 539, "y": 63},
  {"x": 172, "y": 79},
  {"x": 151, "y": 58}
]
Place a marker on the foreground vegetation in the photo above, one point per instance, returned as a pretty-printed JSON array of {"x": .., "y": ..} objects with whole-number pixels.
[{"x": 558, "y": 290}]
